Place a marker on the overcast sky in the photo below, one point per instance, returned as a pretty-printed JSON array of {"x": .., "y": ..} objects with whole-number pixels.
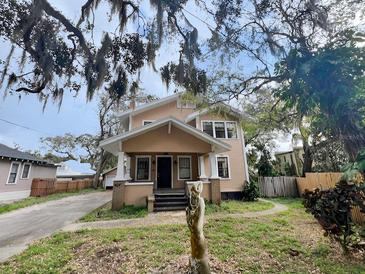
[{"x": 75, "y": 116}]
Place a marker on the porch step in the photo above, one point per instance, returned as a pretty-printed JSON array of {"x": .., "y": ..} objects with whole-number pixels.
[
  {"x": 170, "y": 208},
  {"x": 170, "y": 201}
]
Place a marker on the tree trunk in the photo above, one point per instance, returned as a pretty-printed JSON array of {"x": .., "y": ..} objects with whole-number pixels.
[
  {"x": 99, "y": 169},
  {"x": 307, "y": 158},
  {"x": 199, "y": 263}
]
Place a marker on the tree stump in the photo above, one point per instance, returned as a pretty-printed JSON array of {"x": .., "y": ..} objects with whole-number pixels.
[{"x": 199, "y": 263}]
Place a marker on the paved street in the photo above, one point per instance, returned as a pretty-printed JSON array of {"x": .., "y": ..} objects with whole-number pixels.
[{"x": 19, "y": 228}]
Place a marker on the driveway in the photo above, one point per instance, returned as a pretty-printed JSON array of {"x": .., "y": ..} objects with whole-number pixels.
[{"x": 20, "y": 227}]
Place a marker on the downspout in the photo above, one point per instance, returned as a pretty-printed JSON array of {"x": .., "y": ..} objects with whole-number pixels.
[{"x": 244, "y": 156}]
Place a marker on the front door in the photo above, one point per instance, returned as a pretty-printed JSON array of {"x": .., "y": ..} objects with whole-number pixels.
[{"x": 164, "y": 172}]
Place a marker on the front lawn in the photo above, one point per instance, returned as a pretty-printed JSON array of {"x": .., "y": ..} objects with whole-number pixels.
[
  {"x": 37, "y": 200},
  {"x": 232, "y": 206},
  {"x": 289, "y": 242},
  {"x": 105, "y": 213}
]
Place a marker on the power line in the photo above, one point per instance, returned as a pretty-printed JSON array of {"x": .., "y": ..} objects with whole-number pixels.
[{"x": 25, "y": 127}]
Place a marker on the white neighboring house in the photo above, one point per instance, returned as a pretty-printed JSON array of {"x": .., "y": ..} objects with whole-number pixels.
[
  {"x": 66, "y": 173},
  {"x": 17, "y": 170}
]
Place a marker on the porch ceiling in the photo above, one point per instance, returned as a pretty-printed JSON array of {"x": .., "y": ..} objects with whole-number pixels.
[{"x": 165, "y": 135}]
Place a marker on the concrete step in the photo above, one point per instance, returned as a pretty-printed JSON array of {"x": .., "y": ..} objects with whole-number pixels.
[
  {"x": 171, "y": 204},
  {"x": 175, "y": 208},
  {"x": 171, "y": 199}
]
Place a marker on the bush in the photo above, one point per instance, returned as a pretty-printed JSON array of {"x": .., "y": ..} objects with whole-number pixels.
[
  {"x": 332, "y": 209},
  {"x": 250, "y": 191}
]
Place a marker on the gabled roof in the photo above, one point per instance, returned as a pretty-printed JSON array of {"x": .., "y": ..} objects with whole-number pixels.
[
  {"x": 111, "y": 144},
  {"x": 14, "y": 154},
  {"x": 150, "y": 105}
]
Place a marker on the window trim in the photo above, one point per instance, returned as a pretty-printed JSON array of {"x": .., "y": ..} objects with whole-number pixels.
[
  {"x": 136, "y": 168},
  {"x": 17, "y": 173},
  {"x": 150, "y": 121},
  {"x": 21, "y": 174},
  {"x": 178, "y": 167},
  {"x": 229, "y": 166},
  {"x": 225, "y": 128}
]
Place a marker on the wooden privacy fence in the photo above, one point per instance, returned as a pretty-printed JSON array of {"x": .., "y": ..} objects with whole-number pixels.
[
  {"x": 322, "y": 181},
  {"x": 278, "y": 186},
  {"x": 44, "y": 187},
  {"x": 325, "y": 181}
]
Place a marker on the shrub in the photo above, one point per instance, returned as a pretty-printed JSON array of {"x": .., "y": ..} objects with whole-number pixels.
[
  {"x": 250, "y": 191},
  {"x": 332, "y": 209}
]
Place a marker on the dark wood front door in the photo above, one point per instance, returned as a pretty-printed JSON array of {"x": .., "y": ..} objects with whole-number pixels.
[{"x": 164, "y": 172}]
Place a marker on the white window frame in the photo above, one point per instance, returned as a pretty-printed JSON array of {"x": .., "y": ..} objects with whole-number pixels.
[
  {"x": 21, "y": 174},
  {"x": 17, "y": 173},
  {"x": 225, "y": 128},
  {"x": 178, "y": 167},
  {"x": 149, "y": 168},
  {"x": 149, "y": 121},
  {"x": 229, "y": 166}
]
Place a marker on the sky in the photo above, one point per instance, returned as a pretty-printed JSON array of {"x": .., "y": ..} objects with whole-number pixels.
[{"x": 75, "y": 116}]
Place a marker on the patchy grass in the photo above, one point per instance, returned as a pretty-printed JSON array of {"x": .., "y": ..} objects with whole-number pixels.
[
  {"x": 289, "y": 242},
  {"x": 37, "y": 200},
  {"x": 233, "y": 206},
  {"x": 105, "y": 213}
]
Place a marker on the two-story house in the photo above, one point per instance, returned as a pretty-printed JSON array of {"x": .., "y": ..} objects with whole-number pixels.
[{"x": 168, "y": 143}]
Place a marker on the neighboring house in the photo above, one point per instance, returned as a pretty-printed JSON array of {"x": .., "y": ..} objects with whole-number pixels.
[
  {"x": 167, "y": 143},
  {"x": 292, "y": 159},
  {"x": 66, "y": 173},
  {"x": 109, "y": 177},
  {"x": 17, "y": 170}
]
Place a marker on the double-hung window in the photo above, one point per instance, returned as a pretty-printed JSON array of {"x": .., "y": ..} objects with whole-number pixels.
[
  {"x": 13, "y": 173},
  {"x": 184, "y": 163},
  {"x": 220, "y": 129},
  {"x": 143, "y": 168},
  {"x": 223, "y": 167},
  {"x": 26, "y": 171}
]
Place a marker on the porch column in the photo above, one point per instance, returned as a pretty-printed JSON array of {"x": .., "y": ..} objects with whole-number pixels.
[
  {"x": 128, "y": 168},
  {"x": 202, "y": 175},
  {"x": 120, "y": 166},
  {"x": 213, "y": 166}
]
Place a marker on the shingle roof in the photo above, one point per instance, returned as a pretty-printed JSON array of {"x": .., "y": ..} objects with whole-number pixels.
[{"x": 7, "y": 152}]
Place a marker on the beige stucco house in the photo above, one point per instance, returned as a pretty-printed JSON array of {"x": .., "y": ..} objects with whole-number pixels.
[
  {"x": 17, "y": 170},
  {"x": 167, "y": 144}
]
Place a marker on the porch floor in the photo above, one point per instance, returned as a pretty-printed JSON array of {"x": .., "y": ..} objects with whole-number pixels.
[{"x": 169, "y": 191}]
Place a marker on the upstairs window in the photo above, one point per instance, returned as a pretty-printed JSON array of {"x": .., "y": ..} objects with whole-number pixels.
[
  {"x": 223, "y": 168},
  {"x": 13, "y": 173},
  {"x": 220, "y": 129},
  {"x": 208, "y": 128},
  {"x": 231, "y": 129},
  {"x": 143, "y": 164},
  {"x": 184, "y": 167},
  {"x": 26, "y": 171},
  {"x": 147, "y": 122}
]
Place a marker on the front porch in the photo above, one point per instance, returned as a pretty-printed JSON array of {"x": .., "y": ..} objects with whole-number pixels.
[{"x": 164, "y": 156}]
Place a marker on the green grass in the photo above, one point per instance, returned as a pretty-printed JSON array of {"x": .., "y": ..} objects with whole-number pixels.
[
  {"x": 238, "y": 245},
  {"x": 232, "y": 206},
  {"x": 37, "y": 200},
  {"x": 105, "y": 213}
]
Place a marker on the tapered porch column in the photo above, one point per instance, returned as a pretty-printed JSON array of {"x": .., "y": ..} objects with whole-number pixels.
[
  {"x": 213, "y": 166},
  {"x": 202, "y": 175},
  {"x": 128, "y": 168}
]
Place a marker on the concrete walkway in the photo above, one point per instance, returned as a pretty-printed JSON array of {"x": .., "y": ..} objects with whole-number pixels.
[
  {"x": 20, "y": 227},
  {"x": 164, "y": 218}
]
